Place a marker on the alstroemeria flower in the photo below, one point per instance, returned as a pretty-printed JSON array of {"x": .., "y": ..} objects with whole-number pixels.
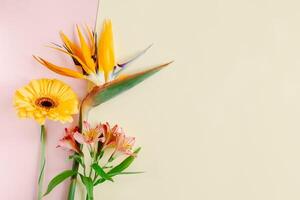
[
  {"x": 110, "y": 134},
  {"x": 89, "y": 135},
  {"x": 124, "y": 144},
  {"x": 95, "y": 57},
  {"x": 115, "y": 138},
  {"x": 68, "y": 141}
]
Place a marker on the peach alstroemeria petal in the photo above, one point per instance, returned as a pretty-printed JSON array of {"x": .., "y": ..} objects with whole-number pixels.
[
  {"x": 60, "y": 70},
  {"x": 89, "y": 135},
  {"x": 109, "y": 134},
  {"x": 106, "y": 55},
  {"x": 68, "y": 141},
  {"x": 115, "y": 138},
  {"x": 86, "y": 126},
  {"x": 124, "y": 145},
  {"x": 79, "y": 138},
  {"x": 68, "y": 145}
]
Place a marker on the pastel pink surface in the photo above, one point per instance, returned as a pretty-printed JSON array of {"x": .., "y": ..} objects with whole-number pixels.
[{"x": 26, "y": 28}]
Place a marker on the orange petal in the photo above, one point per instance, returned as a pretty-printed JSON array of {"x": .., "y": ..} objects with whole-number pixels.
[
  {"x": 72, "y": 46},
  {"x": 60, "y": 70},
  {"x": 86, "y": 52},
  {"x": 91, "y": 39},
  {"x": 69, "y": 44},
  {"x": 84, "y": 66}
]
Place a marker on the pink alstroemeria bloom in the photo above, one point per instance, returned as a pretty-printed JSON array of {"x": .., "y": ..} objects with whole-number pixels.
[
  {"x": 68, "y": 141},
  {"x": 124, "y": 145},
  {"x": 110, "y": 134},
  {"x": 115, "y": 138},
  {"x": 89, "y": 135}
]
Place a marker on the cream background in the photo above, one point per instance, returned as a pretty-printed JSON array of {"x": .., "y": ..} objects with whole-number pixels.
[{"x": 222, "y": 123}]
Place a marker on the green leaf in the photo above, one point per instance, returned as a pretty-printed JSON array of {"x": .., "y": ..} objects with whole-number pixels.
[
  {"x": 58, "y": 179},
  {"x": 101, "y": 172},
  {"x": 101, "y": 94},
  {"x": 117, "y": 170},
  {"x": 127, "y": 173},
  {"x": 123, "y": 165},
  {"x": 88, "y": 183},
  {"x": 101, "y": 180}
]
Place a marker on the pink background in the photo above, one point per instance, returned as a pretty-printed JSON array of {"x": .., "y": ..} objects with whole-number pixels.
[{"x": 26, "y": 27}]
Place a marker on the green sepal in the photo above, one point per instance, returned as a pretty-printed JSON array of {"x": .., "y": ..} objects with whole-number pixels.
[{"x": 58, "y": 179}]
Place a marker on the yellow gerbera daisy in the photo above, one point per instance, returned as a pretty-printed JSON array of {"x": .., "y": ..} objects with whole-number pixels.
[{"x": 46, "y": 98}]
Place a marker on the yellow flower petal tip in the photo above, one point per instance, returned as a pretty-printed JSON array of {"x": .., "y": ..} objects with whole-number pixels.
[
  {"x": 106, "y": 53},
  {"x": 46, "y": 99}
]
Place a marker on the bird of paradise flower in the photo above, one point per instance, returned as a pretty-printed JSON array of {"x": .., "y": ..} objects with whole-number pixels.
[{"x": 95, "y": 58}]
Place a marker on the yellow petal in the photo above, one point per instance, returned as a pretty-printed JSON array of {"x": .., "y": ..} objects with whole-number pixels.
[
  {"x": 60, "y": 70},
  {"x": 106, "y": 54}
]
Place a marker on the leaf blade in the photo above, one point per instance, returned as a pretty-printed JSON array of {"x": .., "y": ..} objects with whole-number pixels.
[
  {"x": 124, "y": 164},
  {"x": 101, "y": 172},
  {"x": 59, "y": 179},
  {"x": 120, "y": 168},
  {"x": 126, "y": 173}
]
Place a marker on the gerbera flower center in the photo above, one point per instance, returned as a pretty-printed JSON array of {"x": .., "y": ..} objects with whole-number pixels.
[{"x": 45, "y": 102}]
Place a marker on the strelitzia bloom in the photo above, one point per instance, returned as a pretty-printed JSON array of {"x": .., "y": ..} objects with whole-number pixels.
[
  {"x": 95, "y": 57},
  {"x": 90, "y": 135},
  {"x": 46, "y": 99},
  {"x": 68, "y": 141}
]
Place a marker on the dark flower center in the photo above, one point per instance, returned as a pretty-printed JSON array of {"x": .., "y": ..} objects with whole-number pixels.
[{"x": 45, "y": 102}]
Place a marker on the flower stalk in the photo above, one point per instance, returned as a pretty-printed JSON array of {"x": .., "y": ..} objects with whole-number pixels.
[
  {"x": 75, "y": 166},
  {"x": 42, "y": 162}
]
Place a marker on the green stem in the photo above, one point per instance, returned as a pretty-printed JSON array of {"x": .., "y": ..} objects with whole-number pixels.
[
  {"x": 88, "y": 197},
  {"x": 71, "y": 195},
  {"x": 42, "y": 162},
  {"x": 75, "y": 166}
]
